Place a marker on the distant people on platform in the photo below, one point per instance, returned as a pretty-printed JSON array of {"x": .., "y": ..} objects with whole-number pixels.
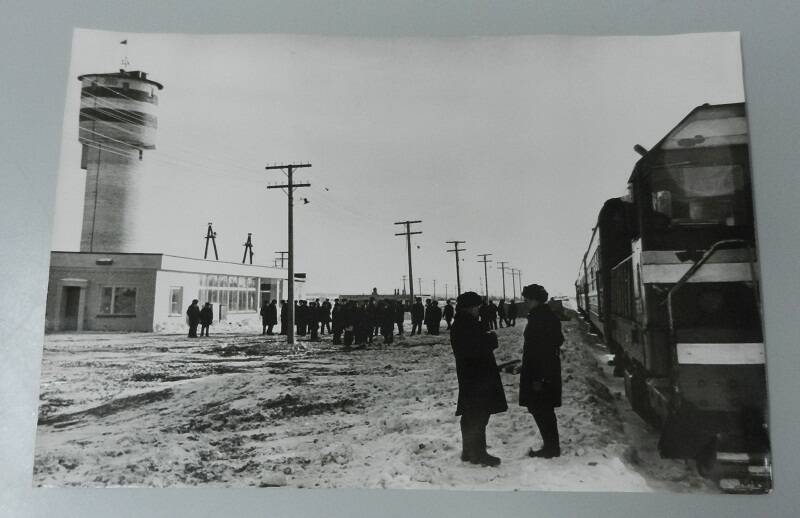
[
  {"x": 433, "y": 317},
  {"x": 480, "y": 390},
  {"x": 501, "y": 312},
  {"x": 284, "y": 318},
  {"x": 269, "y": 316},
  {"x": 206, "y": 318},
  {"x": 193, "y": 318},
  {"x": 417, "y": 316},
  {"x": 373, "y": 317},
  {"x": 448, "y": 313},
  {"x": 540, "y": 377}
]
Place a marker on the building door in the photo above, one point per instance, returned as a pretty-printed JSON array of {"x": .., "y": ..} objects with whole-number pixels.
[{"x": 72, "y": 299}]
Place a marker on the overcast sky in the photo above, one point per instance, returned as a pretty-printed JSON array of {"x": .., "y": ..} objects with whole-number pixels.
[{"x": 511, "y": 144}]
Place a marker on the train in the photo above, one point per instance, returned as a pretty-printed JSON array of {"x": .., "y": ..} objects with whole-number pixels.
[{"x": 669, "y": 281}]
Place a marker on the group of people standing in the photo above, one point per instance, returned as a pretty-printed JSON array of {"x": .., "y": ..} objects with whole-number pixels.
[
  {"x": 203, "y": 317},
  {"x": 480, "y": 389}
]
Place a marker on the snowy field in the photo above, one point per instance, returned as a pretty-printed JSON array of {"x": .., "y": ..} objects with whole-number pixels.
[{"x": 240, "y": 409}]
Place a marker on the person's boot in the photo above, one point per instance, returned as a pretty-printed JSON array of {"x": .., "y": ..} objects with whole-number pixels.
[
  {"x": 482, "y": 457},
  {"x": 546, "y": 452}
]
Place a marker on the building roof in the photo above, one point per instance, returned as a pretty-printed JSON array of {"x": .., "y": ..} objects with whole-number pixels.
[
  {"x": 151, "y": 261},
  {"x": 137, "y": 75}
]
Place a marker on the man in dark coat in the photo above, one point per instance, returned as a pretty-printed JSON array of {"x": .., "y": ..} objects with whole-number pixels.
[
  {"x": 483, "y": 316},
  {"x": 501, "y": 312},
  {"x": 325, "y": 317},
  {"x": 491, "y": 311},
  {"x": 284, "y": 318},
  {"x": 193, "y": 318},
  {"x": 434, "y": 315},
  {"x": 206, "y": 318},
  {"x": 336, "y": 322},
  {"x": 540, "y": 377},
  {"x": 480, "y": 390},
  {"x": 399, "y": 316},
  {"x": 512, "y": 314},
  {"x": 349, "y": 323},
  {"x": 417, "y": 316},
  {"x": 373, "y": 318},
  {"x": 449, "y": 313},
  {"x": 269, "y": 317},
  {"x": 312, "y": 318},
  {"x": 386, "y": 313}
]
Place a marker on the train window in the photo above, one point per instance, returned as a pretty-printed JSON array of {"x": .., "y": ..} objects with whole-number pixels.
[{"x": 692, "y": 195}]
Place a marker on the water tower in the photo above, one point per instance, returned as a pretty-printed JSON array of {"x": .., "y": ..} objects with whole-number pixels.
[{"x": 117, "y": 124}]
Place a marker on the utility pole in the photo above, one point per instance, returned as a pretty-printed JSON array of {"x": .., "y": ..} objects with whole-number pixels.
[
  {"x": 288, "y": 188},
  {"x": 458, "y": 271},
  {"x": 485, "y": 274},
  {"x": 211, "y": 236},
  {"x": 282, "y": 257},
  {"x": 404, "y": 284},
  {"x": 519, "y": 279},
  {"x": 514, "y": 284},
  {"x": 434, "y": 289},
  {"x": 248, "y": 247},
  {"x": 503, "y": 269},
  {"x": 445, "y": 292},
  {"x": 419, "y": 279},
  {"x": 408, "y": 235}
]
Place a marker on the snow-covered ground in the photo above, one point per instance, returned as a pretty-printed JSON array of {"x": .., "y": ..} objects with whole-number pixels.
[{"x": 240, "y": 409}]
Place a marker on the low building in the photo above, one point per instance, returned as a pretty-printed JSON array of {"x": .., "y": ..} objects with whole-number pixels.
[{"x": 91, "y": 291}]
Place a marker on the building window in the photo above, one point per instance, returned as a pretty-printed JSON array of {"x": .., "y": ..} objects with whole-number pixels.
[
  {"x": 118, "y": 300},
  {"x": 176, "y": 300},
  {"x": 237, "y": 294}
]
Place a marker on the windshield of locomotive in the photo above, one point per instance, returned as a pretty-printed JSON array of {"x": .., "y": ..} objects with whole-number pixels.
[{"x": 700, "y": 195}]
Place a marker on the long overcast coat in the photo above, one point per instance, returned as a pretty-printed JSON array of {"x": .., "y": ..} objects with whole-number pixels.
[
  {"x": 540, "y": 359},
  {"x": 479, "y": 387}
]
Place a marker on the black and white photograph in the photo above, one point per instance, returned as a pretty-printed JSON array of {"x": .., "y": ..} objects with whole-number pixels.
[{"x": 509, "y": 263}]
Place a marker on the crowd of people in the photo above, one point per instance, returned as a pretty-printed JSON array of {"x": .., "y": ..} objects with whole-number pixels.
[{"x": 356, "y": 323}]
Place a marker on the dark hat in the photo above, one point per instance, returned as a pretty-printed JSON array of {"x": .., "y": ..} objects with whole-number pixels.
[
  {"x": 535, "y": 292},
  {"x": 469, "y": 299}
]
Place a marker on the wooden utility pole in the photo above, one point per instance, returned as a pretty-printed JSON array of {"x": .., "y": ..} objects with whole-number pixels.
[
  {"x": 211, "y": 236},
  {"x": 503, "y": 269},
  {"x": 408, "y": 234},
  {"x": 248, "y": 247},
  {"x": 519, "y": 279},
  {"x": 419, "y": 279},
  {"x": 458, "y": 266},
  {"x": 282, "y": 258},
  {"x": 434, "y": 289},
  {"x": 514, "y": 283},
  {"x": 404, "y": 284},
  {"x": 485, "y": 273},
  {"x": 288, "y": 188}
]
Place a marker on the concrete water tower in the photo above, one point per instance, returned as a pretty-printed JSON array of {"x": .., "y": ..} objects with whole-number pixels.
[{"x": 117, "y": 123}]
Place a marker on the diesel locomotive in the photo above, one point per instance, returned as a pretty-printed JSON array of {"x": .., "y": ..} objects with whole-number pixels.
[{"x": 670, "y": 282}]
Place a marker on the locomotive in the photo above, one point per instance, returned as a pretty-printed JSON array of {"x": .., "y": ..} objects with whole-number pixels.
[{"x": 669, "y": 280}]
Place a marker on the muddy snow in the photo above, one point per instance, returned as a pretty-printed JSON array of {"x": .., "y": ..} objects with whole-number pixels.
[{"x": 240, "y": 409}]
